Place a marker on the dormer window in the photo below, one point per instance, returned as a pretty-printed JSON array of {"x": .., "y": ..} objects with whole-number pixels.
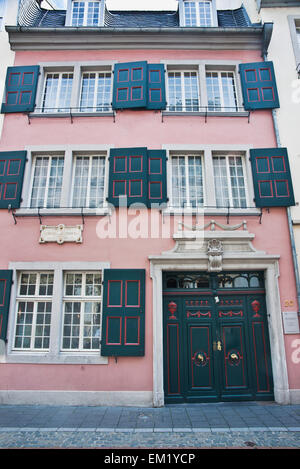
[
  {"x": 198, "y": 13},
  {"x": 86, "y": 13}
]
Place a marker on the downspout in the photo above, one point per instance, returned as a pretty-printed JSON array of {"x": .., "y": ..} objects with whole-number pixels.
[{"x": 267, "y": 33}]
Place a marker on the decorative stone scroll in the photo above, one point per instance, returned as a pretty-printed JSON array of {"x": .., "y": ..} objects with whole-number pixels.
[{"x": 61, "y": 234}]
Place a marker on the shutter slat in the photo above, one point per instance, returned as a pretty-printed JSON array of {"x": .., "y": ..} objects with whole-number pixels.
[
  {"x": 123, "y": 321},
  {"x": 259, "y": 85},
  {"x": 5, "y": 288},
  {"x": 12, "y": 165},
  {"x": 20, "y": 89},
  {"x": 271, "y": 177}
]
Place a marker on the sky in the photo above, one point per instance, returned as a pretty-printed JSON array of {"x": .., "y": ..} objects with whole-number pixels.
[{"x": 127, "y": 4}]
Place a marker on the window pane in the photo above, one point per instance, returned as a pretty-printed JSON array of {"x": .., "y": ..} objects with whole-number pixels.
[
  {"x": 50, "y": 92},
  {"x": 213, "y": 91},
  {"x": 82, "y": 318},
  {"x": 81, "y": 181},
  {"x": 175, "y": 91},
  {"x": 229, "y": 179},
  {"x": 65, "y": 92},
  {"x": 78, "y": 13},
  {"x": 191, "y": 91},
  {"x": 195, "y": 181},
  {"x": 93, "y": 14},
  {"x": 39, "y": 182},
  {"x": 47, "y": 182},
  {"x": 229, "y": 92},
  {"x": 205, "y": 13},
  {"x": 179, "y": 197},
  {"x": 33, "y": 318},
  {"x": 221, "y": 183}
]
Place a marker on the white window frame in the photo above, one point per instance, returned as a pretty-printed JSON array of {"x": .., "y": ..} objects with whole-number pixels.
[
  {"x": 227, "y": 155},
  {"x": 95, "y": 108},
  {"x": 183, "y": 90},
  {"x": 213, "y": 12},
  {"x": 210, "y": 205},
  {"x": 57, "y": 108},
  {"x": 77, "y": 69},
  {"x": 187, "y": 188},
  {"x": 223, "y": 108},
  {"x": 82, "y": 299},
  {"x": 201, "y": 67},
  {"x": 46, "y": 193},
  {"x": 35, "y": 299},
  {"x": 68, "y": 152},
  {"x": 197, "y": 10},
  {"x": 69, "y": 18},
  {"x": 54, "y": 354},
  {"x": 88, "y": 189}
]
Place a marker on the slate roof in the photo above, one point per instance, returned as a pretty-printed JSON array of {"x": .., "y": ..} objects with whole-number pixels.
[{"x": 39, "y": 17}]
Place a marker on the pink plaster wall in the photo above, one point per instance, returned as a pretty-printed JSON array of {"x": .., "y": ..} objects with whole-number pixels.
[{"x": 144, "y": 128}]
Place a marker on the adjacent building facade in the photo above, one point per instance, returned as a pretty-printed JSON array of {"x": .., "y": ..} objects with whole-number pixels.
[{"x": 146, "y": 245}]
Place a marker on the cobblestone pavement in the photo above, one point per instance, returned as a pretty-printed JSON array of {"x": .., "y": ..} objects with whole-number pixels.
[{"x": 221, "y": 425}]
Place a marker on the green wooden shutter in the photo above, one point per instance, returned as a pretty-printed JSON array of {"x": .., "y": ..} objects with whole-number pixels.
[
  {"x": 157, "y": 176},
  {"x": 12, "y": 165},
  {"x": 259, "y": 85},
  {"x": 271, "y": 177},
  {"x": 123, "y": 320},
  {"x": 5, "y": 287},
  {"x": 156, "y": 87},
  {"x": 20, "y": 89},
  {"x": 130, "y": 85},
  {"x": 127, "y": 176}
]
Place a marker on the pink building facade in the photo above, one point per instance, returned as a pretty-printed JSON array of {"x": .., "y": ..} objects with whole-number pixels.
[{"x": 146, "y": 247}]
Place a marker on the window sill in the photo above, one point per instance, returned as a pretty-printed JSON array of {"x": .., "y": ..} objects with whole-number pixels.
[
  {"x": 208, "y": 211},
  {"x": 64, "y": 211},
  {"x": 208, "y": 113},
  {"x": 71, "y": 114},
  {"x": 75, "y": 358}
]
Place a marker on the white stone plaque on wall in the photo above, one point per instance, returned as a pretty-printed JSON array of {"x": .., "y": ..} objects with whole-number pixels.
[
  {"x": 290, "y": 322},
  {"x": 61, "y": 234}
]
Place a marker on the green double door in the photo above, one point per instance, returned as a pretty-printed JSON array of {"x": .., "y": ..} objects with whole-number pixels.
[{"x": 216, "y": 344}]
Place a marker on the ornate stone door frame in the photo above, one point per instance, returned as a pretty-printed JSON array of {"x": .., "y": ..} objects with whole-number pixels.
[{"x": 235, "y": 253}]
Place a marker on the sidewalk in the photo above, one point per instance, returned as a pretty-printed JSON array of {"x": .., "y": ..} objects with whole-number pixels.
[{"x": 197, "y": 425}]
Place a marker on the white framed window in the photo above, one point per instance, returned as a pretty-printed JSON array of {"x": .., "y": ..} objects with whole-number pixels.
[
  {"x": 57, "y": 92},
  {"x": 183, "y": 91},
  {"x": 96, "y": 91},
  {"x": 198, "y": 13},
  {"x": 230, "y": 181},
  {"x": 186, "y": 181},
  {"x": 34, "y": 311},
  {"x": 89, "y": 181},
  {"x": 221, "y": 91},
  {"x": 82, "y": 311},
  {"x": 47, "y": 178},
  {"x": 58, "y": 312},
  {"x": 85, "y": 13}
]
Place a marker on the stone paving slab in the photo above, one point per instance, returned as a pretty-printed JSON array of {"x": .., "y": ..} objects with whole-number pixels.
[
  {"x": 132, "y": 440},
  {"x": 177, "y": 419}
]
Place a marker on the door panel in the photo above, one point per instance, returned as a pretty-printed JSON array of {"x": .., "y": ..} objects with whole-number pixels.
[{"x": 216, "y": 346}]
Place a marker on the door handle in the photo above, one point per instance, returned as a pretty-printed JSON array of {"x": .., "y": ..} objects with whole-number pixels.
[{"x": 217, "y": 345}]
